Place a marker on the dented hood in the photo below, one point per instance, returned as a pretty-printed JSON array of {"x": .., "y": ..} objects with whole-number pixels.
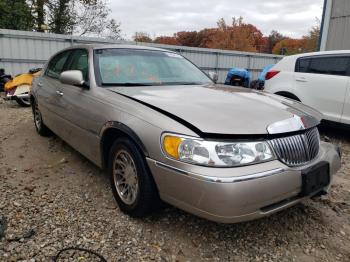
[{"x": 218, "y": 109}]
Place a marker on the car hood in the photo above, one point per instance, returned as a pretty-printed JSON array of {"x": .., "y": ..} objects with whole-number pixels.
[{"x": 219, "y": 109}]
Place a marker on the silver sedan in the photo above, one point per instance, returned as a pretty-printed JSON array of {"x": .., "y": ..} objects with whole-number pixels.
[{"x": 165, "y": 131}]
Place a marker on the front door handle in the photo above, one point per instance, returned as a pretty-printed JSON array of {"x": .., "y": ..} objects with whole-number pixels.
[
  {"x": 59, "y": 93},
  {"x": 301, "y": 79}
]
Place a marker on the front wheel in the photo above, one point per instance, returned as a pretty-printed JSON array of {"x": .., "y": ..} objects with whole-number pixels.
[
  {"x": 132, "y": 184},
  {"x": 40, "y": 127},
  {"x": 23, "y": 101}
]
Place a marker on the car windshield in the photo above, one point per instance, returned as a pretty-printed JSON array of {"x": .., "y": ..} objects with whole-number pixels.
[{"x": 133, "y": 67}]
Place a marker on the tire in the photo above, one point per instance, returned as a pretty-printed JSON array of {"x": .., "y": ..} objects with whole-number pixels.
[
  {"x": 40, "y": 127},
  {"x": 235, "y": 83},
  {"x": 25, "y": 102},
  {"x": 246, "y": 84},
  {"x": 128, "y": 169},
  {"x": 254, "y": 84}
]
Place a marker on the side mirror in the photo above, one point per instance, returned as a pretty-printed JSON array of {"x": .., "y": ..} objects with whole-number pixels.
[
  {"x": 214, "y": 76},
  {"x": 72, "y": 77}
]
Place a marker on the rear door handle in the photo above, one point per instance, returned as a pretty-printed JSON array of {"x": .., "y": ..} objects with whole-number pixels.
[
  {"x": 59, "y": 93},
  {"x": 40, "y": 84},
  {"x": 301, "y": 79}
]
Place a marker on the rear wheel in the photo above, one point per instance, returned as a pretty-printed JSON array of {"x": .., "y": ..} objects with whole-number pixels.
[
  {"x": 132, "y": 184},
  {"x": 40, "y": 127},
  {"x": 23, "y": 101},
  {"x": 235, "y": 82}
]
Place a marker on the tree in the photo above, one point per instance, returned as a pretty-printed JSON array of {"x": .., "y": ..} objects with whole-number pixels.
[
  {"x": 113, "y": 30},
  {"x": 142, "y": 37},
  {"x": 206, "y": 37},
  {"x": 166, "y": 40},
  {"x": 82, "y": 17},
  {"x": 289, "y": 46},
  {"x": 312, "y": 38},
  {"x": 38, "y": 11},
  {"x": 92, "y": 18},
  {"x": 272, "y": 40},
  {"x": 258, "y": 37},
  {"x": 16, "y": 15},
  {"x": 237, "y": 36},
  {"x": 187, "y": 38},
  {"x": 61, "y": 19}
]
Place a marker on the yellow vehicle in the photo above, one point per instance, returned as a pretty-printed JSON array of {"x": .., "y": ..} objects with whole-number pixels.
[{"x": 19, "y": 87}]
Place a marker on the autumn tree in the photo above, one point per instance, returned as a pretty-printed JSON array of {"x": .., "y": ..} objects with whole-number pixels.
[
  {"x": 312, "y": 38},
  {"x": 142, "y": 37},
  {"x": 258, "y": 37},
  {"x": 289, "y": 46},
  {"x": 237, "y": 36},
  {"x": 187, "y": 38},
  {"x": 206, "y": 37},
  {"x": 271, "y": 40},
  {"x": 166, "y": 40}
]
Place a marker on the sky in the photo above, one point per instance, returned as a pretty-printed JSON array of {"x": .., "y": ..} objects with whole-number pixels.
[{"x": 159, "y": 17}]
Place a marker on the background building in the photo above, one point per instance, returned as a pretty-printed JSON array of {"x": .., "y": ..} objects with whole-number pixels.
[{"x": 335, "y": 26}]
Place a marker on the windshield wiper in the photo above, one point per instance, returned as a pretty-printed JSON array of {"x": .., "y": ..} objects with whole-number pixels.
[
  {"x": 183, "y": 83},
  {"x": 126, "y": 84},
  {"x": 153, "y": 84}
]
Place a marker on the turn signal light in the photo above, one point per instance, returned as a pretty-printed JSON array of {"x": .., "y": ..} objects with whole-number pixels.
[{"x": 171, "y": 146}]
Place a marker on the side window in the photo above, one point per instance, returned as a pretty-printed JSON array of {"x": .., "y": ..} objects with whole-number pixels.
[
  {"x": 324, "y": 65},
  {"x": 302, "y": 65},
  {"x": 56, "y": 65},
  {"x": 329, "y": 65},
  {"x": 79, "y": 61}
]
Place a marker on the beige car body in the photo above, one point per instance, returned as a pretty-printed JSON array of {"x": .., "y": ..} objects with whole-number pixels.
[{"x": 88, "y": 119}]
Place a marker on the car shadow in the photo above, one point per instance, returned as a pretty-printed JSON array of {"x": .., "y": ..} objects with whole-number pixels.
[{"x": 335, "y": 133}]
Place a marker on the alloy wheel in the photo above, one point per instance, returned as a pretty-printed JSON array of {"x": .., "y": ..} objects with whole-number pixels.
[
  {"x": 125, "y": 177},
  {"x": 37, "y": 117}
]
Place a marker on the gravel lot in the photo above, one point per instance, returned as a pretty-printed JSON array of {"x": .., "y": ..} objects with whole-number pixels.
[{"x": 53, "y": 198}]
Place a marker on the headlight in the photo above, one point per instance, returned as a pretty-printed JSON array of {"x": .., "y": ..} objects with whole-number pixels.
[{"x": 218, "y": 154}]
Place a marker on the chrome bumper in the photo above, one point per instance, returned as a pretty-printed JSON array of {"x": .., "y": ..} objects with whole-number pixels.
[
  {"x": 248, "y": 193},
  {"x": 13, "y": 97}
]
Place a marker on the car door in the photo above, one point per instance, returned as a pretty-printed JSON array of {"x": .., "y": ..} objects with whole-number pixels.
[
  {"x": 321, "y": 82},
  {"x": 346, "y": 112},
  {"x": 78, "y": 109},
  {"x": 48, "y": 91}
]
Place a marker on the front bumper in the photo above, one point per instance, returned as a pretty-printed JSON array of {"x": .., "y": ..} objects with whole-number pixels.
[
  {"x": 21, "y": 91},
  {"x": 9, "y": 97},
  {"x": 230, "y": 195}
]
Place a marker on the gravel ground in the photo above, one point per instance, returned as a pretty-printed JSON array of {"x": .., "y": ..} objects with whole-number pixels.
[{"x": 52, "y": 198}]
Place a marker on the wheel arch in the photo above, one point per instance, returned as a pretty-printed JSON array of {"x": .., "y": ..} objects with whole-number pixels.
[
  {"x": 113, "y": 130},
  {"x": 288, "y": 95},
  {"x": 32, "y": 100}
]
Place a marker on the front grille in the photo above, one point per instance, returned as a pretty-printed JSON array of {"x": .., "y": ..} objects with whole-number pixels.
[{"x": 298, "y": 149}]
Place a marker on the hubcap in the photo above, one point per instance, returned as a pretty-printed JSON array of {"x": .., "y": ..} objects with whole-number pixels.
[
  {"x": 125, "y": 177},
  {"x": 37, "y": 117},
  {"x": 26, "y": 101}
]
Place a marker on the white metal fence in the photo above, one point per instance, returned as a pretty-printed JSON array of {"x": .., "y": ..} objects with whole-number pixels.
[{"x": 21, "y": 50}]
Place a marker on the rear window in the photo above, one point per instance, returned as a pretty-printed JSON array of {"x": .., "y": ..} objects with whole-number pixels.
[{"x": 324, "y": 65}]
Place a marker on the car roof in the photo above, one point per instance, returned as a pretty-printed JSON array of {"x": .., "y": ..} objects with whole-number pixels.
[{"x": 335, "y": 52}]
